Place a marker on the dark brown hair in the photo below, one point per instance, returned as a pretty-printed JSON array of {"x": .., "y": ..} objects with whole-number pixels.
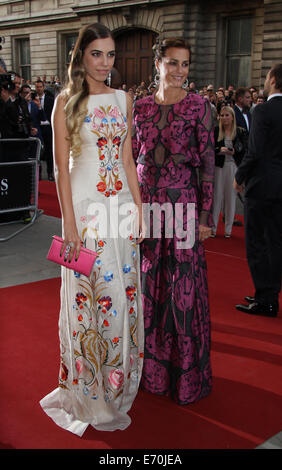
[
  {"x": 240, "y": 92},
  {"x": 161, "y": 47},
  {"x": 91, "y": 32},
  {"x": 276, "y": 72}
]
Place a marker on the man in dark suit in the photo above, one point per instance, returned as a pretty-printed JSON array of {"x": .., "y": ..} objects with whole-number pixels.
[
  {"x": 5, "y": 131},
  {"x": 47, "y": 103},
  {"x": 261, "y": 172},
  {"x": 242, "y": 106},
  {"x": 18, "y": 126},
  {"x": 17, "y": 114},
  {"x": 36, "y": 112}
]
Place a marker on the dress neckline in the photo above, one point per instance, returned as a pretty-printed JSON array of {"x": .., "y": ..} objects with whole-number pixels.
[
  {"x": 171, "y": 104},
  {"x": 100, "y": 94}
]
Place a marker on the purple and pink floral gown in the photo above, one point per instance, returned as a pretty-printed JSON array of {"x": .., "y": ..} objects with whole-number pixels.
[{"x": 170, "y": 143}]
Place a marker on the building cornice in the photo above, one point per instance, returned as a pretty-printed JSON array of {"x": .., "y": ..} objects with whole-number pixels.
[
  {"x": 74, "y": 12},
  {"x": 109, "y": 6},
  {"x": 37, "y": 18},
  {"x": 9, "y": 2}
]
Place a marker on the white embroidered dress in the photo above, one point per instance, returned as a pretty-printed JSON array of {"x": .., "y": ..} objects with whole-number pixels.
[{"x": 101, "y": 318}]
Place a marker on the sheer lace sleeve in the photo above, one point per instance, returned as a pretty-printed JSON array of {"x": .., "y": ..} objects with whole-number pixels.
[
  {"x": 135, "y": 134},
  {"x": 205, "y": 134}
]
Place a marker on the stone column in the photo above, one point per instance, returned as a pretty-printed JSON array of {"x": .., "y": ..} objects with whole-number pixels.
[{"x": 272, "y": 36}]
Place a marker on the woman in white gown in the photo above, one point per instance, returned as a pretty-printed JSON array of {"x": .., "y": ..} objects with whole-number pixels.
[{"x": 101, "y": 318}]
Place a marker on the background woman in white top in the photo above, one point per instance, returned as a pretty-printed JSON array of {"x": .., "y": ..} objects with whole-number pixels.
[{"x": 230, "y": 146}]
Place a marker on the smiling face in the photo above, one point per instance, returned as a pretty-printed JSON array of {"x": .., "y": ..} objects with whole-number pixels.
[
  {"x": 98, "y": 59},
  {"x": 174, "y": 67}
]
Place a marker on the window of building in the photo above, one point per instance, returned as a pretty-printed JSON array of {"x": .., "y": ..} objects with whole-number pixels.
[
  {"x": 239, "y": 51},
  {"x": 22, "y": 55},
  {"x": 70, "y": 40},
  {"x": 67, "y": 41}
]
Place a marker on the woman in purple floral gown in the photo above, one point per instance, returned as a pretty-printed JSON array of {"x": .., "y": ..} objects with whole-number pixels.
[{"x": 174, "y": 151}]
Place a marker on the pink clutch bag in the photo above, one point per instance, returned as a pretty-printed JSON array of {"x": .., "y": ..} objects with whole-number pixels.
[{"x": 85, "y": 260}]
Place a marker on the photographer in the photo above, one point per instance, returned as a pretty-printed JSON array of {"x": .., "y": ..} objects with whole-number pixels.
[
  {"x": 15, "y": 124},
  {"x": 17, "y": 113},
  {"x": 47, "y": 103},
  {"x": 37, "y": 114},
  {"x": 5, "y": 130},
  {"x": 3, "y": 68},
  {"x": 34, "y": 108}
]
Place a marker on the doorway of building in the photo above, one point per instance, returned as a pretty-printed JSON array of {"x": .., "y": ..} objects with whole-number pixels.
[{"x": 134, "y": 56}]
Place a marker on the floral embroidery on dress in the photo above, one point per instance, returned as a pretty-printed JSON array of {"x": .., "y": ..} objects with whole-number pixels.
[
  {"x": 116, "y": 378},
  {"x": 63, "y": 372},
  {"x": 100, "y": 365},
  {"x": 109, "y": 125},
  {"x": 131, "y": 294},
  {"x": 99, "y": 349}
]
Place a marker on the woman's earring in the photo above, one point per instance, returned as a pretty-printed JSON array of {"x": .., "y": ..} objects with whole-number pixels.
[
  {"x": 185, "y": 84},
  {"x": 109, "y": 79},
  {"x": 157, "y": 79}
]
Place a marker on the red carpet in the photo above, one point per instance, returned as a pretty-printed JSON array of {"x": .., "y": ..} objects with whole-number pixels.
[
  {"x": 47, "y": 198},
  {"x": 243, "y": 410}
]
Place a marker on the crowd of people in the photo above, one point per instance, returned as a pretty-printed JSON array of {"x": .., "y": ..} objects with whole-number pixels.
[
  {"x": 23, "y": 111},
  {"x": 218, "y": 97},
  {"x": 26, "y": 108},
  {"x": 142, "y": 317}
]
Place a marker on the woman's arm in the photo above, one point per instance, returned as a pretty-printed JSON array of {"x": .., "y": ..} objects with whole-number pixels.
[
  {"x": 135, "y": 135},
  {"x": 61, "y": 151},
  {"x": 130, "y": 169},
  {"x": 240, "y": 145},
  {"x": 205, "y": 134}
]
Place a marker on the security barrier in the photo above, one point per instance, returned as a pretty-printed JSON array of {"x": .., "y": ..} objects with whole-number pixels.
[{"x": 19, "y": 179}]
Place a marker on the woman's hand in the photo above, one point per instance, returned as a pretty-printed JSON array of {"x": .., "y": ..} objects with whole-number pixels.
[
  {"x": 204, "y": 232},
  {"x": 33, "y": 131},
  {"x": 37, "y": 101},
  {"x": 227, "y": 150},
  {"x": 72, "y": 243},
  {"x": 238, "y": 187},
  {"x": 141, "y": 227}
]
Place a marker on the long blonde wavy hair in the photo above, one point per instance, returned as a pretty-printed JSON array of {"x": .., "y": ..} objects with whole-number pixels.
[
  {"x": 76, "y": 91},
  {"x": 221, "y": 133}
]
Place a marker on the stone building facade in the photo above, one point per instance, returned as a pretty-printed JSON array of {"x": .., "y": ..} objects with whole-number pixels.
[{"x": 232, "y": 41}]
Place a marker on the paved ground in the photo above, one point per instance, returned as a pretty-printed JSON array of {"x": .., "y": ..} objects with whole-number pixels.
[{"x": 23, "y": 257}]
